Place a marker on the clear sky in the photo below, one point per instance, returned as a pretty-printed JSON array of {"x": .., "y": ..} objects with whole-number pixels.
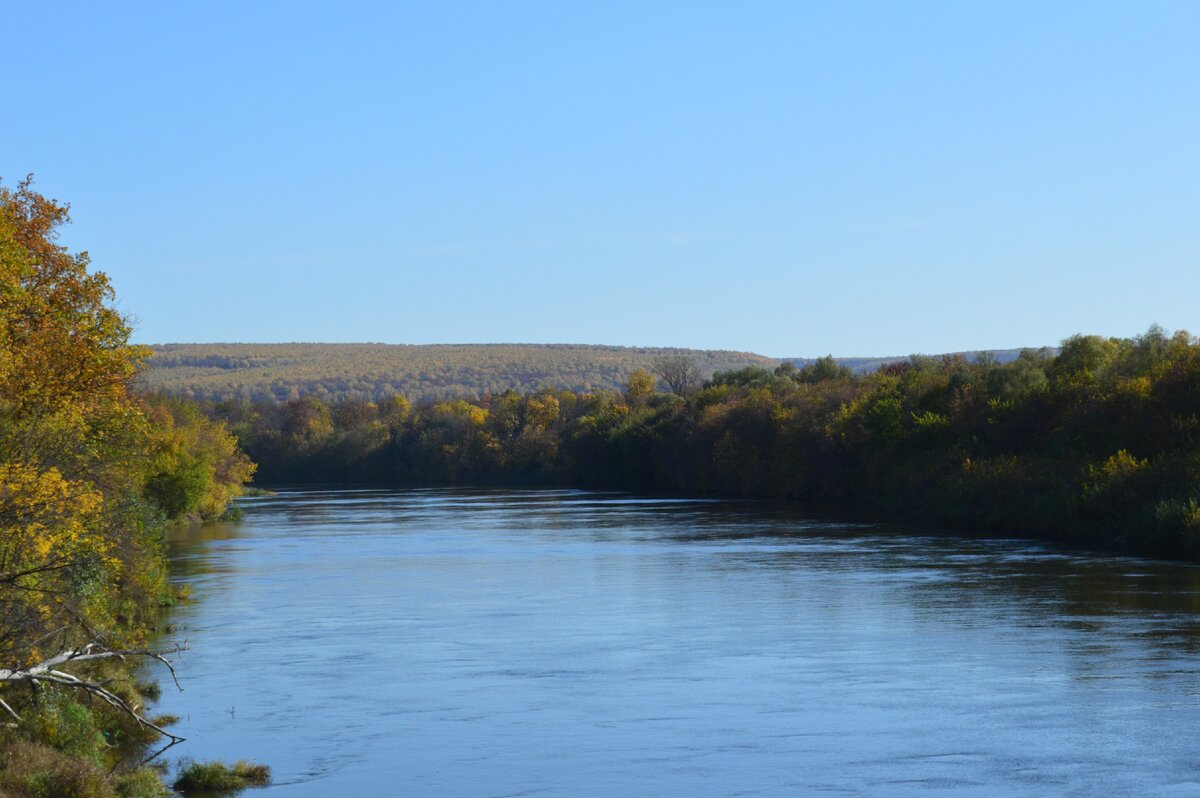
[{"x": 790, "y": 178}]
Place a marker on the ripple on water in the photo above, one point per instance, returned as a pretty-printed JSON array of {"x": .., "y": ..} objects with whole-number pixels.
[{"x": 572, "y": 643}]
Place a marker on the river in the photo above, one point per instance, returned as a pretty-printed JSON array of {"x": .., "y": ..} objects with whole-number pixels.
[{"x": 565, "y": 643}]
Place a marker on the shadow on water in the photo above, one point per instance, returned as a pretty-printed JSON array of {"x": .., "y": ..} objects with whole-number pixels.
[{"x": 1041, "y": 582}]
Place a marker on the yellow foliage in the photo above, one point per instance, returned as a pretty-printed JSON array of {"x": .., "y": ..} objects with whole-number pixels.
[
  {"x": 44, "y": 520},
  {"x": 1120, "y": 466},
  {"x": 396, "y": 407},
  {"x": 542, "y": 411},
  {"x": 930, "y": 420},
  {"x": 474, "y": 415},
  {"x": 640, "y": 384},
  {"x": 1136, "y": 387},
  {"x": 74, "y": 445}
]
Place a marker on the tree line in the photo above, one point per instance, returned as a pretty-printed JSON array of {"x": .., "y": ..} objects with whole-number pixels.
[{"x": 1094, "y": 444}]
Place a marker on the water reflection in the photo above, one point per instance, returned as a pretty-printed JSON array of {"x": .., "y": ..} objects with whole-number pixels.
[{"x": 573, "y": 643}]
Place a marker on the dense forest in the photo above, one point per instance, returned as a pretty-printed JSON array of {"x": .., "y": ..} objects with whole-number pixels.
[
  {"x": 372, "y": 372},
  {"x": 90, "y": 473},
  {"x": 1097, "y": 443}
]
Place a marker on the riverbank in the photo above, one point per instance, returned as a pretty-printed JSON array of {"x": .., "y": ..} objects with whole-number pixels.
[{"x": 1097, "y": 445}]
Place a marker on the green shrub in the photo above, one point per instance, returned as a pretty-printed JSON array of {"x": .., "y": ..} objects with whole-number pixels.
[
  {"x": 70, "y": 727},
  {"x": 208, "y": 777},
  {"x": 151, "y": 691},
  {"x": 141, "y": 783}
]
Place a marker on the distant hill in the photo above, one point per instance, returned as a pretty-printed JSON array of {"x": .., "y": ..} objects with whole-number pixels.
[
  {"x": 865, "y": 365},
  {"x": 276, "y": 372}
]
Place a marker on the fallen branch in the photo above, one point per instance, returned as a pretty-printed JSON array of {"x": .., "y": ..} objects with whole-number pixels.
[{"x": 51, "y": 671}]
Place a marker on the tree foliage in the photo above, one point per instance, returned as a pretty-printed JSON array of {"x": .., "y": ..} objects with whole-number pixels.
[
  {"x": 72, "y": 439},
  {"x": 88, "y": 473}
]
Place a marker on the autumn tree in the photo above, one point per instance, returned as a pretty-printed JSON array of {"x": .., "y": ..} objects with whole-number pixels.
[
  {"x": 307, "y": 422},
  {"x": 81, "y": 564},
  {"x": 72, "y": 440},
  {"x": 197, "y": 468},
  {"x": 638, "y": 386}
]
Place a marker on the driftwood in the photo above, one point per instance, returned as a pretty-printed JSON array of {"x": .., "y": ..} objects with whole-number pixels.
[{"x": 51, "y": 671}]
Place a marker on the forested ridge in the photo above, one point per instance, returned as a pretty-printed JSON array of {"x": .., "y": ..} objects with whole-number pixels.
[
  {"x": 335, "y": 372},
  {"x": 90, "y": 473},
  {"x": 373, "y": 372},
  {"x": 1097, "y": 443}
]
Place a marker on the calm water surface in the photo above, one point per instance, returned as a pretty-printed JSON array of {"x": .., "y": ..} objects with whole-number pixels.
[{"x": 448, "y": 643}]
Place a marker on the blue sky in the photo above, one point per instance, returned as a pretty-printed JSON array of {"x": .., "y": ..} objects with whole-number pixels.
[{"x": 788, "y": 178}]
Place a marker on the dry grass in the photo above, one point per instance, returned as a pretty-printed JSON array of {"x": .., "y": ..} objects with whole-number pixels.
[{"x": 32, "y": 770}]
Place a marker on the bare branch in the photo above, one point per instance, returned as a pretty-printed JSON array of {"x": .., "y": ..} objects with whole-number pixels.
[
  {"x": 10, "y": 711},
  {"x": 49, "y": 672},
  {"x": 679, "y": 372}
]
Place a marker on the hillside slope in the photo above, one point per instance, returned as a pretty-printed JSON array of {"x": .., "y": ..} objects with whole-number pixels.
[{"x": 266, "y": 372}]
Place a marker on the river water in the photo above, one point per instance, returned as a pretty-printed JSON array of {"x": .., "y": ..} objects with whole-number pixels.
[{"x": 564, "y": 643}]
